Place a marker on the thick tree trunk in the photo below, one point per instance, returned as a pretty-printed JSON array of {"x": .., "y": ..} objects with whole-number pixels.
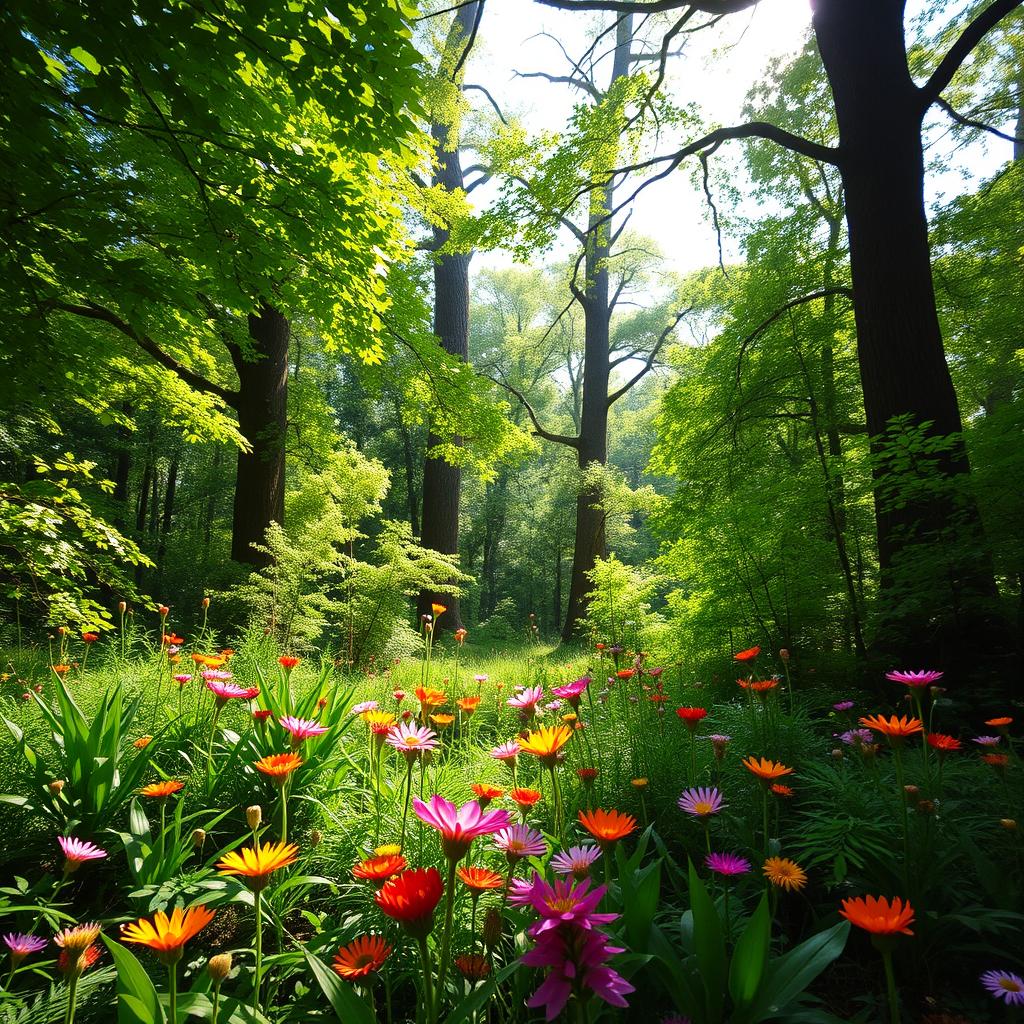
[
  {"x": 262, "y": 409},
  {"x": 167, "y": 518},
  {"x": 899, "y": 343}
]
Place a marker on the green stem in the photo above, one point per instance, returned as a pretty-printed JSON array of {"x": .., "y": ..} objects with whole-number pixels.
[
  {"x": 209, "y": 752},
  {"x": 216, "y": 1003},
  {"x": 428, "y": 980},
  {"x": 446, "y": 935},
  {"x": 259, "y": 953},
  {"x": 764, "y": 808},
  {"x": 172, "y": 978},
  {"x": 408, "y": 796},
  {"x": 284, "y": 811},
  {"x": 898, "y": 762},
  {"x": 69, "y": 1017},
  {"x": 163, "y": 831},
  {"x": 890, "y": 986}
]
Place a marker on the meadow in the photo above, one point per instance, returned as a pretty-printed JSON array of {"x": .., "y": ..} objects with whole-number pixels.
[{"x": 200, "y": 833}]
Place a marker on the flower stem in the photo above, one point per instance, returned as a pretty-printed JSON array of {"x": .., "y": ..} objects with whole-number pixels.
[
  {"x": 446, "y": 935},
  {"x": 902, "y": 796},
  {"x": 69, "y": 1017},
  {"x": 890, "y": 986},
  {"x": 259, "y": 953},
  {"x": 408, "y": 795},
  {"x": 216, "y": 1003},
  {"x": 172, "y": 980},
  {"x": 428, "y": 981}
]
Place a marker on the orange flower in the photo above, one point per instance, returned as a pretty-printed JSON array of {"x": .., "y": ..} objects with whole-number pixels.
[
  {"x": 607, "y": 826},
  {"x": 162, "y": 789},
  {"x": 780, "y": 790},
  {"x": 748, "y": 655},
  {"x": 524, "y": 797},
  {"x": 893, "y": 727},
  {"x": 383, "y": 719},
  {"x": 468, "y": 704},
  {"x": 766, "y": 770},
  {"x": 546, "y": 742},
  {"x": 61, "y": 670},
  {"x": 485, "y": 793},
  {"x": 943, "y": 743},
  {"x": 142, "y": 742},
  {"x": 997, "y": 722},
  {"x": 381, "y": 868},
  {"x": 999, "y": 761},
  {"x": 438, "y": 610},
  {"x": 442, "y": 721},
  {"x": 361, "y": 957},
  {"x": 625, "y": 673},
  {"x": 279, "y": 766},
  {"x": 480, "y": 879},
  {"x": 257, "y": 864},
  {"x": 876, "y": 915},
  {"x": 288, "y": 661},
  {"x": 167, "y": 936},
  {"x": 430, "y": 698},
  {"x": 90, "y": 638}
]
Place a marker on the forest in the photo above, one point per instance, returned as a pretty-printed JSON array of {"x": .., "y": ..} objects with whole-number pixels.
[{"x": 510, "y": 510}]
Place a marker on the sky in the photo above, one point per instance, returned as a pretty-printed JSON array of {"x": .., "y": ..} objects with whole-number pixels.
[{"x": 716, "y": 71}]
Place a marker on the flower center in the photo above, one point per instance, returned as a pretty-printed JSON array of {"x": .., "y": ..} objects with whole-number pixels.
[
  {"x": 1009, "y": 985},
  {"x": 702, "y": 807},
  {"x": 563, "y": 905}
]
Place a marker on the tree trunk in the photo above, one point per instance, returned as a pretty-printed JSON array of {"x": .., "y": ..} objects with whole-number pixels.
[
  {"x": 899, "y": 343},
  {"x": 168, "y": 515},
  {"x": 263, "y": 420},
  {"x": 442, "y": 482}
]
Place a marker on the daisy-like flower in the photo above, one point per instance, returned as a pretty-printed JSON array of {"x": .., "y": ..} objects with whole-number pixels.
[
  {"x": 485, "y": 793},
  {"x": 161, "y": 790},
  {"x": 607, "y": 827},
  {"x": 473, "y": 966},
  {"x": 565, "y": 902},
  {"x": 1005, "y": 985},
  {"x": 399, "y": 695},
  {"x": 468, "y": 705},
  {"x": 999, "y": 723},
  {"x": 986, "y": 741},
  {"x": 727, "y": 864},
  {"x": 527, "y": 699},
  {"x": 784, "y": 873},
  {"x": 442, "y": 721},
  {"x": 411, "y": 899},
  {"x": 430, "y": 698},
  {"x": 301, "y": 728},
  {"x": 691, "y": 717},
  {"x": 77, "y": 939},
  {"x": 379, "y": 868},
  {"x": 225, "y": 691},
  {"x": 576, "y": 861},
  {"x": 142, "y": 742},
  {"x": 525, "y": 798},
  {"x": 586, "y": 776},
  {"x": 766, "y": 770},
  {"x": 943, "y": 743},
  {"x": 77, "y": 852},
  {"x": 572, "y": 692},
  {"x": 998, "y": 761},
  {"x": 182, "y": 678},
  {"x": 367, "y": 705},
  {"x": 167, "y": 936},
  {"x": 279, "y": 766},
  {"x": 843, "y": 705},
  {"x": 288, "y": 661},
  {"x": 760, "y": 686},
  {"x": 854, "y": 737},
  {"x": 780, "y": 790},
  {"x": 479, "y": 679},
  {"x": 79, "y": 963},
  {"x": 256, "y": 865},
  {"x": 519, "y": 841},
  {"x": 361, "y": 957},
  {"x": 216, "y": 675},
  {"x": 21, "y": 946},
  {"x": 459, "y": 826},
  {"x": 915, "y": 679},
  {"x": 506, "y": 753},
  {"x": 701, "y": 802},
  {"x": 893, "y": 727},
  {"x": 412, "y": 740},
  {"x": 748, "y": 655},
  {"x": 877, "y": 915},
  {"x": 480, "y": 879},
  {"x": 546, "y": 742}
]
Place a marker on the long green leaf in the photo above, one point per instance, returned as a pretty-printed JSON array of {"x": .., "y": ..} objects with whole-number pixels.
[
  {"x": 350, "y": 1009},
  {"x": 750, "y": 957},
  {"x": 137, "y": 1001},
  {"x": 709, "y": 944}
]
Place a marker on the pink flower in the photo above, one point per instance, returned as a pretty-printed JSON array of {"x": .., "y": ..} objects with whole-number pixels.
[
  {"x": 572, "y": 692},
  {"x": 527, "y": 700},
  {"x": 507, "y": 752},
  {"x": 224, "y": 691},
  {"x": 367, "y": 705},
  {"x": 519, "y": 841},
  {"x": 915, "y": 679},
  {"x": 216, "y": 675},
  {"x": 727, "y": 864},
  {"x": 22, "y": 945},
  {"x": 566, "y": 902},
  {"x": 412, "y": 740},
  {"x": 576, "y": 861},
  {"x": 459, "y": 826},
  {"x": 843, "y": 705},
  {"x": 78, "y": 851},
  {"x": 301, "y": 728},
  {"x": 701, "y": 802},
  {"x": 182, "y": 679}
]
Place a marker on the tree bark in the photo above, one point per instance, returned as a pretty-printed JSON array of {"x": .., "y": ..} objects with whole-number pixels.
[{"x": 262, "y": 408}]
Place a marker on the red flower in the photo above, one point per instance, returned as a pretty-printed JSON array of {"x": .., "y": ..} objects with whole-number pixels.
[
  {"x": 748, "y": 655},
  {"x": 691, "y": 716},
  {"x": 90, "y": 638},
  {"x": 288, "y": 661},
  {"x": 411, "y": 898},
  {"x": 943, "y": 743}
]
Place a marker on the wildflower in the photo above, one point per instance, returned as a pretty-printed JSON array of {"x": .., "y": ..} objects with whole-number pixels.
[
  {"x": 458, "y": 826},
  {"x": 586, "y": 776},
  {"x": 519, "y": 841},
  {"x": 399, "y": 695},
  {"x": 430, "y": 698},
  {"x": 479, "y": 679},
  {"x": 893, "y": 727},
  {"x": 607, "y": 827},
  {"x": 877, "y": 915},
  {"x": 943, "y": 743},
  {"x": 288, "y": 661},
  {"x": 473, "y": 966},
  {"x": 917, "y": 680},
  {"x": 161, "y": 790},
  {"x": 760, "y": 686},
  {"x": 784, "y": 873},
  {"x": 61, "y": 670},
  {"x": 485, "y": 794},
  {"x": 546, "y": 742},
  {"x": 301, "y": 728},
  {"x": 366, "y": 705},
  {"x": 506, "y": 753},
  {"x": 855, "y": 737},
  {"x": 219, "y": 967},
  {"x": 780, "y": 790},
  {"x": 142, "y": 742},
  {"x": 257, "y": 864},
  {"x": 76, "y": 965},
  {"x": 21, "y": 946},
  {"x": 986, "y": 741},
  {"x": 442, "y": 721},
  {"x": 691, "y": 717},
  {"x": 524, "y": 798},
  {"x": 438, "y": 609},
  {"x": 361, "y": 957},
  {"x": 766, "y": 770},
  {"x": 199, "y": 838},
  {"x": 77, "y": 938},
  {"x": 254, "y": 816},
  {"x": 182, "y": 678},
  {"x": 225, "y": 691},
  {"x": 480, "y": 879},
  {"x": 572, "y": 692},
  {"x": 411, "y": 899},
  {"x": 843, "y": 705},
  {"x": 91, "y": 638},
  {"x": 167, "y": 936},
  {"x": 217, "y": 675},
  {"x": 727, "y": 864},
  {"x": 701, "y": 802},
  {"x": 527, "y": 700},
  {"x": 625, "y": 673},
  {"x": 279, "y": 766},
  {"x": 412, "y": 740},
  {"x": 748, "y": 655},
  {"x": 56, "y": 787},
  {"x": 997, "y": 761},
  {"x": 460, "y": 635},
  {"x": 999, "y": 723},
  {"x": 375, "y": 718},
  {"x": 576, "y": 861},
  {"x": 261, "y": 715},
  {"x": 77, "y": 852},
  {"x": 468, "y": 705},
  {"x": 380, "y": 868},
  {"x": 1005, "y": 985},
  {"x": 388, "y": 850}
]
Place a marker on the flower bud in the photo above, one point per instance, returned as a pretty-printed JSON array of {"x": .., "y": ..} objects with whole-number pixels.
[
  {"x": 205, "y": 602},
  {"x": 1009, "y": 824},
  {"x": 911, "y": 793},
  {"x": 315, "y": 838},
  {"x": 122, "y": 606},
  {"x": 55, "y": 787},
  {"x": 164, "y": 611},
  {"x": 492, "y": 928},
  {"x": 199, "y": 838},
  {"x": 254, "y": 816},
  {"x": 219, "y": 967},
  {"x": 837, "y": 754},
  {"x": 784, "y": 654},
  {"x": 926, "y": 806}
]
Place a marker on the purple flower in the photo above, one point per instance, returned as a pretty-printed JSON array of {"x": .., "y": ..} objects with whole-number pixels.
[
  {"x": 701, "y": 802},
  {"x": 1004, "y": 985},
  {"x": 507, "y": 752},
  {"x": 575, "y": 960},
  {"x": 519, "y": 841},
  {"x": 855, "y": 737},
  {"x": 22, "y": 945},
  {"x": 915, "y": 679},
  {"x": 367, "y": 705},
  {"x": 843, "y": 705},
  {"x": 565, "y": 902},
  {"x": 575, "y": 861},
  {"x": 986, "y": 741},
  {"x": 78, "y": 851},
  {"x": 727, "y": 864}
]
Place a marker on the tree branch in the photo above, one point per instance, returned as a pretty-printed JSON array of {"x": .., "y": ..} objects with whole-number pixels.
[
  {"x": 652, "y": 7},
  {"x": 469, "y": 42},
  {"x": 571, "y": 442},
  {"x": 970, "y": 122},
  {"x": 92, "y": 311},
  {"x": 491, "y": 99},
  {"x": 579, "y": 83},
  {"x": 646, "y": 368},
  {"x": 959, "y": 52}
]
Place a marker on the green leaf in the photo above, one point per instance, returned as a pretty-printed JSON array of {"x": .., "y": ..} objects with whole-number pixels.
[
  {"x": 750, "y": 957},
  {"x": 709, "y": 944},
  {"x": 87, "y": 60},
  {"x": 137, "y": 1001},
  {"x": 350, "y": 1009}
]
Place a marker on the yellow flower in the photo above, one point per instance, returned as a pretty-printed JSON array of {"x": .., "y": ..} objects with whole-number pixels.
[
  {"x": 785, "y": 873},
  {"x": 167, "y": 936},
  {"x": 257, "y": 864}
]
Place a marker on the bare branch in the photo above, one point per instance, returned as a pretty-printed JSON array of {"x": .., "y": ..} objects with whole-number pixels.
[
  {"x": 491, "y": 99},
  {"x": 571, "y": 442},
  {"x": 579, "y": 83},
  {"x": 652, "y": 7},
  {"x": 714, "y": 209},
  {"x": 469, "y": 41},
  {"x": 959, "y": 52},
  {"x": 646, "y": 368},
  {"x": 970, "y": 122}
]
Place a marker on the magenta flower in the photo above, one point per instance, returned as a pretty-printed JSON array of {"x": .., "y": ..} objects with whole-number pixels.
[
  {"x": 701, "y": 802},
  {"x": 507, "y": 752},
  {"x": 78, "y": 851},
  {"x": 216, "y": 675},
  {"x": 301, "y": 728},
  {"x": 914, "y": 679},
  {"x": 367, "y": 705},
  {"x": 855, "y": 737},
  {"x": 843, "y": 705},
  {"x": 986, "y": 741},
  {"x": 412, "y": 740},
  {"x": 1005, "y": 985},
  {"x": 459, "y": 826},
  {"x": 727, "y": 864},
  {"x": 655, "y": 672},
  {"x": 576, "y": 861},
  {"x": 182, "y": 679},
  {"x": 575, "y": 961},
  {"x": 572, "y": 691},
  {"x": 565, "y": 902},
  {"x": 22, "y": 946},
  {"x": 519, "y": 841},
  {"x": 225, "y": 691},
  {"x": 520, "y": 892},
  {"x": 527, "y": 699}
]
